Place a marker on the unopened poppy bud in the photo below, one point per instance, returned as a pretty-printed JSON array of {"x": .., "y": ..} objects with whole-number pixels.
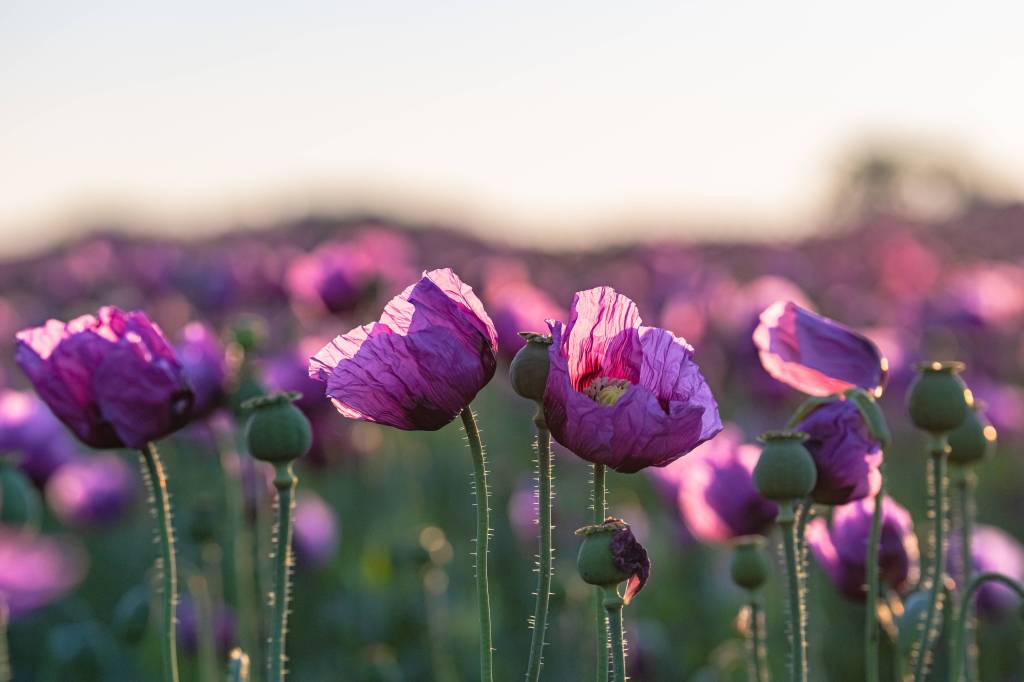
[
  {"x": 610, "y": 554},
  {"x": 972, "y": 441},
  {"x": 749, "y": 565},
  {"x": 277, "y": 431},
  {"x": 785, "y": 471},
  {"x": 529, "y": 368},
  {"x": 939, "y": 400},
  {"x": 131, "y": 615},
  {"x": 19, "y": 501}
]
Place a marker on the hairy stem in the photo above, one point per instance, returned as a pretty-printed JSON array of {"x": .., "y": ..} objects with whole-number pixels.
[
  {"x": 483, "y": 530},
  {"x": 933, "y": 617},
  {"x": 285, "y": 481},
  {"x": 757, "y": 664},
  {"x": 965, "y": 509},
  {"x": 238, "y": 666},
  {"x": 612, "y": 604},
  {"x": 600, "y": 510},
  {"x": 156, "y": 482},
  {"x": 5, "y": 660},
  {"x": 795, "y": 615},
  {"x": 960, "y": 629},
  {"x": 546, "y": 553},
  {"x": 871, "y": 633}
]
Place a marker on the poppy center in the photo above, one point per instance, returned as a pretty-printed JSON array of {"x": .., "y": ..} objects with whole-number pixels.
[{"x": 606, "y": 391}]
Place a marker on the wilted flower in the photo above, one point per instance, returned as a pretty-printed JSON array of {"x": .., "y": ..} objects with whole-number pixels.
[
  {"x": 28, "y": 430},
  {"x": 610, "y": 554},
  {"x": 845, "y": 453},
  {"x": 92, "y": 490},
  {"x": 203, "y": 360},
  {"x": 994, "y": 550},
  {"x": 842, "y": 550},
  {"x": 315, "y": 539},
  {"x": 817, "y": 355},
  {"x": 621, "y": 394},
  {"x": 715, "y": 489},
  {"x": 113, "y": 379},
  {"x": 421, "y": 364},
  {"x": 36, "y": 569}
]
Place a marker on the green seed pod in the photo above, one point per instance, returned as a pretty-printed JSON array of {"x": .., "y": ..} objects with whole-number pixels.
[
  {"x": 131, "y": 615},
  {"x": 529, "y": 368},
  {"x": 938, "y": 401},
  {"x": 594, "y": 561},
  {"x": 749, "y": 565},
  {"x": 277, "y": 431},
  {"x": 19, "y": 502},
  {"x": 972, "y": 441},
  {"x": 785, "y": 471}
]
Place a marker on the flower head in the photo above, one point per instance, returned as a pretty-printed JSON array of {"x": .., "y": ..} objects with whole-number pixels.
[
  {"x": 37, "y": 440},
  {"x": 621, "y": 394},
  {"x": 36, "y": 569},
  {"x": 817, "y": 355},
  {"x": 113, "y": 378},
  {"x": 845, "y": 453},
  {"x": 92, "y": 490},
  {"x": 203, "y": 359},
  {"x": 421, "y": 364},
  {"x": 842, "y": 550}
]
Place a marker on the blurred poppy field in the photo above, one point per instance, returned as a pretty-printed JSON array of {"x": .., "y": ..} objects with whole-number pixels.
[{"x": 383, "y": 584}]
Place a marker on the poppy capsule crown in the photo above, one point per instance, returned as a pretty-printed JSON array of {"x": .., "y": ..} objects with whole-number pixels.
[
  {"x": 785, "y": 471},
  {"x": 939, "y": 400},
  {"x": 610, "y": 554},
  {"x": 530, "y": 366},
  {"x": 277, "y": 431}
]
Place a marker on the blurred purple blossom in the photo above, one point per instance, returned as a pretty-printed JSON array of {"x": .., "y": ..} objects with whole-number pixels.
[
  {"x": 93, "y": 491},
  {"x": 37, "y": 569},
  {"x": 203, "y": 360},
  {"x": 35, "y": 438},
  {"x": 316, "y": 531}
]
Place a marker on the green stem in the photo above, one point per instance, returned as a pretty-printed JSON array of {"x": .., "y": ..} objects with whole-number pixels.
[
  {"x": 5, "y": 659},
  {"x": 238, "y": 666},
  {"x": 285, "y": 481},
  {"x": 483, "y": 530},
  {"x": 960, "y": 629},
  {"x": 871, "y": 634},
  {"x": 795, "y": 615},
  {"x": 965, "y": 507},
  {"x": 932, "y": 622},
  {"x": 612, "y": 604},
  {"x": 600, "y": 510},
  {"x": 156, "y": 481},
  {"x": 546, "y": 554},
  {"x": 757, "y": 665}
]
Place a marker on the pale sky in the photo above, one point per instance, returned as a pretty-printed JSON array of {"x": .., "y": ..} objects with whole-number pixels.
[{"x": 538, "y": 118}]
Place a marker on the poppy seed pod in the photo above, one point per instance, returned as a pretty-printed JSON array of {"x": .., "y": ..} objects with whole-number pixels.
[
  {"x": 972, "y": 441},
  {"x": 939, "y": 400},
  {"x": 277, "y": 431},
  {"x": 749, "y": 565},
  {"x": 610, "y": 554},
  {"x": 529, "y": 368},
  {"x": 785, "y": 471}
]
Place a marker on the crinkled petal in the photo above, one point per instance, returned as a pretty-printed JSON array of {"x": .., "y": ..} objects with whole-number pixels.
[
  {"x": 817, "y": 355},
  {"x": 602, "y": 338},
  {"x": 847, "y": 457}
]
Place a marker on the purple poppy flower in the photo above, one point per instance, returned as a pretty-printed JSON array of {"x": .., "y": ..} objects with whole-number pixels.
[
  {"x": 715, "y": 490},
  {"x": 37, "y": 440},
  {"x": 421, "y": 364},
  {"x": 37, "y": 569},
  {"x": 621, "y": 394},
  {"x": 316, "y": 531},
  {"x": 845, "y": 453},
  {"x": 842, "y": 550},
  {"x": 516, "y": 307},
  {"x": 335, "y": 276},
  {"x": 993, "y": 549},
  {"x": 205, "y": 365},
  {"x": 92, "y": 491},
  {"x": 288, "y": 371},
  {"x": 113, "y": 379},
  {"x": 817, "y": 355},
  {"x": 187, "y": 625}
]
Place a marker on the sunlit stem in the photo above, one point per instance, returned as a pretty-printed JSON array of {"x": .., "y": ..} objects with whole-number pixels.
[
  {"x": 796, "y": 616},
  {"x": 612, "y": 605},
  {"x": 757, "y": 663},
  {"x": 285, "y": 482},
  {"x": 965, "y": 512},
  {"x": 960, "y": 627},
  {"x": 238, "y": 666},
  {"x": 871, "y": 630},
  {"x": 937, "y": 561},
  {"x": 156, "y": 482},
  {"x": 483, "y": 531},
  {"x": 546, "y": 555},
  {"x": 600, "y": 510}
]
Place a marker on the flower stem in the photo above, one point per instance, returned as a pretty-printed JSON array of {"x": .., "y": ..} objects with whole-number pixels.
[
  {"x": 238, "y": 666},
  {"x": 795, "y": 615},
  {"x": 932, "y": 622},
  {"x": 5, "y": 659},
  {"x": 612, "y": 604},
  {"x": 757, "y": 665},
  {"x": 600, "y": 510},
  {"x": 965, "y": 506},
  {"x": 483, "y": 530},
  {"x": 960, "y": 627},
  {"x": 285, "y": 481},
  {"x": 546, "y": 554},
  {"x": 156, "y": 481},
  {"x": 871, "y": 633}
]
